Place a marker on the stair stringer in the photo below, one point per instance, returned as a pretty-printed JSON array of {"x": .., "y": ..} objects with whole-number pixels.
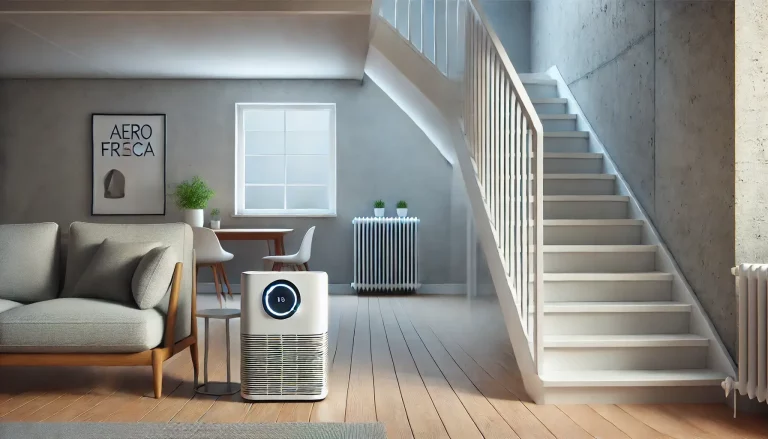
[{"x": 718, "y": 358}]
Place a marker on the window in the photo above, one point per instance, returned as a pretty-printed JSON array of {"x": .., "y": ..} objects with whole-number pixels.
[{"x": 286, "y": 160}]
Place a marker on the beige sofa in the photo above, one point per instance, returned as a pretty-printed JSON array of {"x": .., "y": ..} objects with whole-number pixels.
[{"x": 43, "y": 322}]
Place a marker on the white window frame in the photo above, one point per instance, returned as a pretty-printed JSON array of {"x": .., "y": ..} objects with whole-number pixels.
[{"x": 240, "y": 210}]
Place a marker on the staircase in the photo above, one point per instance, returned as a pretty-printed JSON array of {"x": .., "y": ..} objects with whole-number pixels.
[{"x": 596, "y": 308}]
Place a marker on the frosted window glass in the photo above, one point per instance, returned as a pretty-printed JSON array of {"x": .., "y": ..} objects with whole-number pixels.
[
  {"x": 265, "y": 170},
  {"x": 307, "y": 170},
  {"x": 307, "y": 120},
  {"x": 264, "y": 197},
  {"x": 264, "y": 142},
  {"x": 264, "y": 120},
  {"x": 307, "y": 197},
  {"x": 307, "y": 142}
]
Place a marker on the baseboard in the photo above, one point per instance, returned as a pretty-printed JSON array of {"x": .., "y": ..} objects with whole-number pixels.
[{"x": 341, "y": 289}]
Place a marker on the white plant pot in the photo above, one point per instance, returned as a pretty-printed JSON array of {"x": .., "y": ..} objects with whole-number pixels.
[
  {"x": 215, "y": 224},
  {"x": 378, "y": 212},
  {"x": 402, "y": 213},
  {"x": 194, "y": 217}
]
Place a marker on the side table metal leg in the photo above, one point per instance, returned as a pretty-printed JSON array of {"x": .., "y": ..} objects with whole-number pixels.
[
  {"x": 228, "y": 365},
  {"x": 205, "y": 367}
]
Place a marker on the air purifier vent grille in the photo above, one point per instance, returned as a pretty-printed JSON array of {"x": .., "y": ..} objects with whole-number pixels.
[{"x": 282, "y": 365}]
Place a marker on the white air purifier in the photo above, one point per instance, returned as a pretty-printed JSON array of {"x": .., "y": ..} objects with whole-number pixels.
[{"x": 284, "y": 335}]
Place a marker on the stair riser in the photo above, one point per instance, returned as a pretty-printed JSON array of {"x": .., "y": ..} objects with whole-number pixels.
[
  {"x": 541, "y": 91},
  {"x": 607, "y": 291},
  {"x": 599, "y": 262},
  {"x": 555, "y": 125},
  {"x": 625, "y": 358},
  {"x": 592, "y": 235},
  {"x": 550, "y": 108},
  {"x": 596, "y": 186},
  {"x": 573, "y": 166},
  {"x": 618, "y": 323},
  {"x": 566, "y": 144},
  {"x": 585, "y": 210}
]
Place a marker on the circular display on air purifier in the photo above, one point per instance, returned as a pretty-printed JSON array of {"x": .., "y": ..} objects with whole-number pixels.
[{"x": 281, "y": 299}]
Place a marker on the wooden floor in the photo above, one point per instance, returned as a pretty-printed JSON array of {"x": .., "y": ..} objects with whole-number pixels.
[{"x": 427, "y": 367}]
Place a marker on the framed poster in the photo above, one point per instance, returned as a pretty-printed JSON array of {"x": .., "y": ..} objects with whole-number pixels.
[{"x": 128, "y": 161}]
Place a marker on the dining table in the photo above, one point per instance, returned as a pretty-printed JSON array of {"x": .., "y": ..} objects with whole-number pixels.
[{"x": 276, "y": 236}]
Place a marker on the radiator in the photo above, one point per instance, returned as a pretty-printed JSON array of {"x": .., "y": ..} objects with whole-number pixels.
[
  {"x": 751, "y": 286},
  {"x": 385, "y": 254}
]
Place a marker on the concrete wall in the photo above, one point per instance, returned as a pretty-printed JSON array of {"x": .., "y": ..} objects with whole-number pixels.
[
  {"x": 511, "y": 20},
  {"x": 655, "y": 79},
  {"x": 45, "y": 162}
]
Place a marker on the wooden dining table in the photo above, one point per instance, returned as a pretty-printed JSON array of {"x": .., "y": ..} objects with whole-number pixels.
[{"x": 275, "y": 236}]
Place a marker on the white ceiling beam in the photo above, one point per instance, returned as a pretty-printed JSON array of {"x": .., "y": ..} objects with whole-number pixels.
[{"x": 350, "y": 7}]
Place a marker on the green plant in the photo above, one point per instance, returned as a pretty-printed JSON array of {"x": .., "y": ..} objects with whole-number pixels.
[
  {"x": 215, "y": 212},
  {"x": 378, "y": 204},
  {"x": 193, "y": 194},
  {"x": 402, "y": 204}
]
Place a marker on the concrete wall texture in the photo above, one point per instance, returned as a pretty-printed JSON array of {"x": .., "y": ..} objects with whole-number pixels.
[
  {"x": 655, "y": 79},
  {"x": 511, "y": 20},
  {"x": 45, "y": 162}
]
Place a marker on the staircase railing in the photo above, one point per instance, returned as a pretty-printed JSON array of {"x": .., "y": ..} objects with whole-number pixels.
[{"x": 503, "y": 135}]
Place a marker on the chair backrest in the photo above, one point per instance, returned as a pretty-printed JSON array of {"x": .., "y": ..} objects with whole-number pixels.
[
  {"x": 206, "y": 243},
  {"x": 306, "y": 245}
]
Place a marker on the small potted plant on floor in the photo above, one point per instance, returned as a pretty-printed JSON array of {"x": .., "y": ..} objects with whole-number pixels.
[
  {"x": 215, "y": 219},
  {"x": 192, "y": 197},
  {"x": 378, "y": 208},
  {"x": 402, "y": 209}
]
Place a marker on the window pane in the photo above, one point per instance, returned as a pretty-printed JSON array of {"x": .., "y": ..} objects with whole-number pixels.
[
  {"x": 264, "y": 142},
  {"x": 265, "y": 170},
  {"x": 307, "y": 120},
  {"x": 264, "y": 197},
  {"x": 307, "y": 170},
  {"x": 308, "y": 142},
  {"x": 264, "y": 120},
  {"x": 307, "y": 197}
]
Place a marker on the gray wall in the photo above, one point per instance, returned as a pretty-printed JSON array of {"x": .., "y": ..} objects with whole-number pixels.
[
  {"x": 655, "y": 79},
  {"x": 45, "y": 163},
  {"x": 511, "y": 20}
]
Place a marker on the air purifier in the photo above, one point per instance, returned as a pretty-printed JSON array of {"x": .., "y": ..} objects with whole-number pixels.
[{"x": 284, "y": 335}]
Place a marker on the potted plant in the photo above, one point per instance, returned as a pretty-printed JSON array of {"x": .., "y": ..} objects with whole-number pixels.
[
  {"x": 215, "y": 219},
  {"x": 378, "y": 208},
  {"x": 192, "y": 197},
  {"x": 402, "y": 209}
]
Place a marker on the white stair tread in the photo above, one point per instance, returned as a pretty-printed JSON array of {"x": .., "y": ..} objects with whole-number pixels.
[
  {"x": 615, "y": 307},
  {"x": 532, "y": 76},
  {"x": 602, "y": 248},
  {"x": 632, "y": 378},
  {"x": 608, "y": 277},
  {"x": 549, "y": 101},
  {"x": 573, "y": 198},
  {"x": 593, "y": 222},
  {"x": 569, "y": 116},
  {"x": 629, "y": 341},
  {"x": 567, "y": 134},
  {"x": 538, "y": 80},
  {"x": 573, "y": 155},
  {"x": 579, "y": 177}
]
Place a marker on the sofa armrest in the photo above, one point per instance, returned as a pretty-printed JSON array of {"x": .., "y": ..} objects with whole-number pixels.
[{"x": 173, "y": 305}]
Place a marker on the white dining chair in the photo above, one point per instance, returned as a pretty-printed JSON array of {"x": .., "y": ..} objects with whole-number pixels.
[
  {"x": 298, "y": 260},
  {"x": 210, "y": 254}
]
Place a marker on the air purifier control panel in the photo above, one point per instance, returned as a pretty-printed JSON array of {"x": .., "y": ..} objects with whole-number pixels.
[{"x": 281, "y": 299}]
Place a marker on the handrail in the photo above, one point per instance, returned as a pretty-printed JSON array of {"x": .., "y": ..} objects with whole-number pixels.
[{"x": 503, "y": 135}]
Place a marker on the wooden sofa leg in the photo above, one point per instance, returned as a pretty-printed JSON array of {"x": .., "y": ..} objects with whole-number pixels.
[
  {"x": 157, "y": 372},
  {"x": 195, "y": 360}
]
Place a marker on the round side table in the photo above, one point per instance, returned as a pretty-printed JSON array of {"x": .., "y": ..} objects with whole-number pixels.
[{"x": 217, "y": 388}]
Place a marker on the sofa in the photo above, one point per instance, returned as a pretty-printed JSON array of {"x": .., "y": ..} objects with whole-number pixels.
[{"x": 69, "y": 305}]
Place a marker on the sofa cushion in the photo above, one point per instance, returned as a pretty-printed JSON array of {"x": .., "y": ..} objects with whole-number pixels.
[
  {"x": 5, "y": 305},
  {"x": 108, "y": 275},
  {"x": 152, "y": 277},
  {"x": 29, "y": 262},
  {"x": 85, "y": 238},
  {"x": 74, "y": 325}
]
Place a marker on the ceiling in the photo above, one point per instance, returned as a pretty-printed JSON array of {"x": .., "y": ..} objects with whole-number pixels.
[{"x": 183, "y": 39}]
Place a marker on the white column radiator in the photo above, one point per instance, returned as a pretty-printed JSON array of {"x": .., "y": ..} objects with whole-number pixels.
[
  {"x": 385, "y": 254},
  {"x": 751, "y": 286}
]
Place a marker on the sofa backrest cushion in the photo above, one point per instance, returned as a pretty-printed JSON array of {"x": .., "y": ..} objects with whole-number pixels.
[
  {"x": 29, "y": 262},
  {"x": 85, "y": 239}
]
